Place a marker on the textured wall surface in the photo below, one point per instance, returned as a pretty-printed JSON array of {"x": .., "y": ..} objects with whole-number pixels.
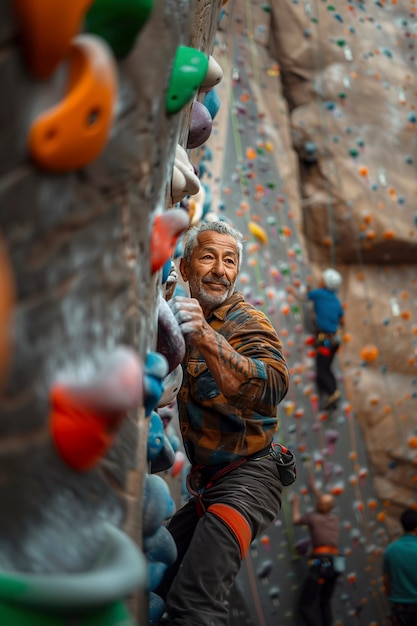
[{"x": 79, "y": 247}]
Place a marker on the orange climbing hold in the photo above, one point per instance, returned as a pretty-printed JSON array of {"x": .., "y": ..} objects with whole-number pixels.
[
  {"x": 74, "y": 132},
  {"x": 7, "y": 297},
  {"x": 369, "y": 353},
  {"x": 250, "y": 154},
  {"x": 47, "y": 28},
  {"x": 370, "y": 235}
]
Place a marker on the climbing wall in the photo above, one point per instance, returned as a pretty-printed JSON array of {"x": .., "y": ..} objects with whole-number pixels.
[
  {"x": 252, "y": 177},
  {"x": 91, "y": 115}
]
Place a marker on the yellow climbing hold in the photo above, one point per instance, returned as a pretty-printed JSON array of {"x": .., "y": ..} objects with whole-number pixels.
[{"x": 258, "y": 232}]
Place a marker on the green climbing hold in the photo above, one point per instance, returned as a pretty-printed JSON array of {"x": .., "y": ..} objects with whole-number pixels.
[
  {"x": 189, "y": 70},
  {"x": 115, "y": 614},
  {"x": 353, "y": 152},
  {"x": 341, "y": 43},
  {"x": 118, "y": 22},
  {"x": 266, "y": 8}
]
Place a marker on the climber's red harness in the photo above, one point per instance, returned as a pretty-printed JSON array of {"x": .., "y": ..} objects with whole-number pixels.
[{"x": 202, "y": 477}]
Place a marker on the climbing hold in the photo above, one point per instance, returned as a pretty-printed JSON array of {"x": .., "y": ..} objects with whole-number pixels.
[
  {"x": 74, "y": 132},
  {"x": 289, "y": 407},
  {"x": 170, "y": 340},
  {"x": 412, "y": 442},
  {"x": 188, "y": 73},
  {"x": 118, "y": 22},
  {"x": 212, "y": 102},
  {"x": 200, "y": 126},
  {"x": 258, "y": 232},
  {"x": 167, "y": 227},
  {"x": 86, "y": 416},
  {"x": 213, "y": 75},
  {"x": 156, "y": 368},
  {"x": 47, "y": 29},
  {"x": 165, "y": 459},
  {"x": 7, "y": 298},
  {"x": 196, "y": 206},
  {"x": 156, "y": 608},
  {"x": 94, "y": 595},
  {"x": 264, "y": 570},
  {"x": 331, "y": 437},
  {"x": 369, "y": 353},
  {"x": 184, "y": 180},
  {"x": 172, "y": 384},
  {"x": 179, "y": 464},
  {"x": 157, "y": 504},
  {"x": 156, "y": 436},
  {"x": 160, "y": 550},
  {"x": 166, "y": 270}
]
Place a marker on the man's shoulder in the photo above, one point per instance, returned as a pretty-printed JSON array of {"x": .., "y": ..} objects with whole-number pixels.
[
  {"x": 237, "y": 307},
  {"x": 405, "y": 542}
]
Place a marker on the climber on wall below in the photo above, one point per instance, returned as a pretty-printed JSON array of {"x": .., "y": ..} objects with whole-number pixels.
[
  {"x": 329, "y": 319},
  {"x": 324, "y": 563},
  {"x": 235, "y": 375}
]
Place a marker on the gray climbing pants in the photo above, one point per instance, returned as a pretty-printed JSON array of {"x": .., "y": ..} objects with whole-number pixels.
[{"x": 212, "y": 533}]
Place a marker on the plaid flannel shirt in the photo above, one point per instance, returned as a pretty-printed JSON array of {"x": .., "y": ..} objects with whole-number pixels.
[{"x": 220, "y": 428}]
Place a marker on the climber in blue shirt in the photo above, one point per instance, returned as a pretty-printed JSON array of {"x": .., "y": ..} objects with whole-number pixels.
[{"x": 329, "y": 318}]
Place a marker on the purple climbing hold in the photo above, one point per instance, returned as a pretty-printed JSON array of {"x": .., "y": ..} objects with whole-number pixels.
[{"x": 201, "y": 125}]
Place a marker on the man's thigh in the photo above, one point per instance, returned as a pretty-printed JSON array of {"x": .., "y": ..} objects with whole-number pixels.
[{"x": 253, "y": 489}]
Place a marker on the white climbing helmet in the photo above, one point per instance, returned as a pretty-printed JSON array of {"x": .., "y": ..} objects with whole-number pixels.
[{"x": 332, "y": 279}]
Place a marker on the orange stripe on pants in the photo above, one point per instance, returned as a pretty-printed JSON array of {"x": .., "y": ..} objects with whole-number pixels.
[{"x": 236, "y": 522}]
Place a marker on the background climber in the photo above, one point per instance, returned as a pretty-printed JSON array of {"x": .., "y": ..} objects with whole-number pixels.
[
  {"x": 324, "y": 563},
  {"x": 329, "y": 318},
  {"x": 234, "y": 377},
  {"x": 400, "y": 573}
]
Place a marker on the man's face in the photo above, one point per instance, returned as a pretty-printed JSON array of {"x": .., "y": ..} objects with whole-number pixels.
[{"x": 212, "y": 270}]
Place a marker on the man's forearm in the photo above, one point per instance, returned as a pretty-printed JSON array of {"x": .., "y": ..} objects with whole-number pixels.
[{"x": 228, "y": 368}]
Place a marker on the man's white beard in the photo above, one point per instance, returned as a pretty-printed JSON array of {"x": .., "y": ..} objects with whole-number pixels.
[{"x": 209, "y": 300}]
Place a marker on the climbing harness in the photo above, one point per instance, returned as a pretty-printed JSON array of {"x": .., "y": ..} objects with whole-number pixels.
[{"x": 202, "y": 477}]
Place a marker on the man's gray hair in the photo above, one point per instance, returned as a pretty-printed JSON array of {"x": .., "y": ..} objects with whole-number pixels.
[{"x": 218, "y": 226}]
